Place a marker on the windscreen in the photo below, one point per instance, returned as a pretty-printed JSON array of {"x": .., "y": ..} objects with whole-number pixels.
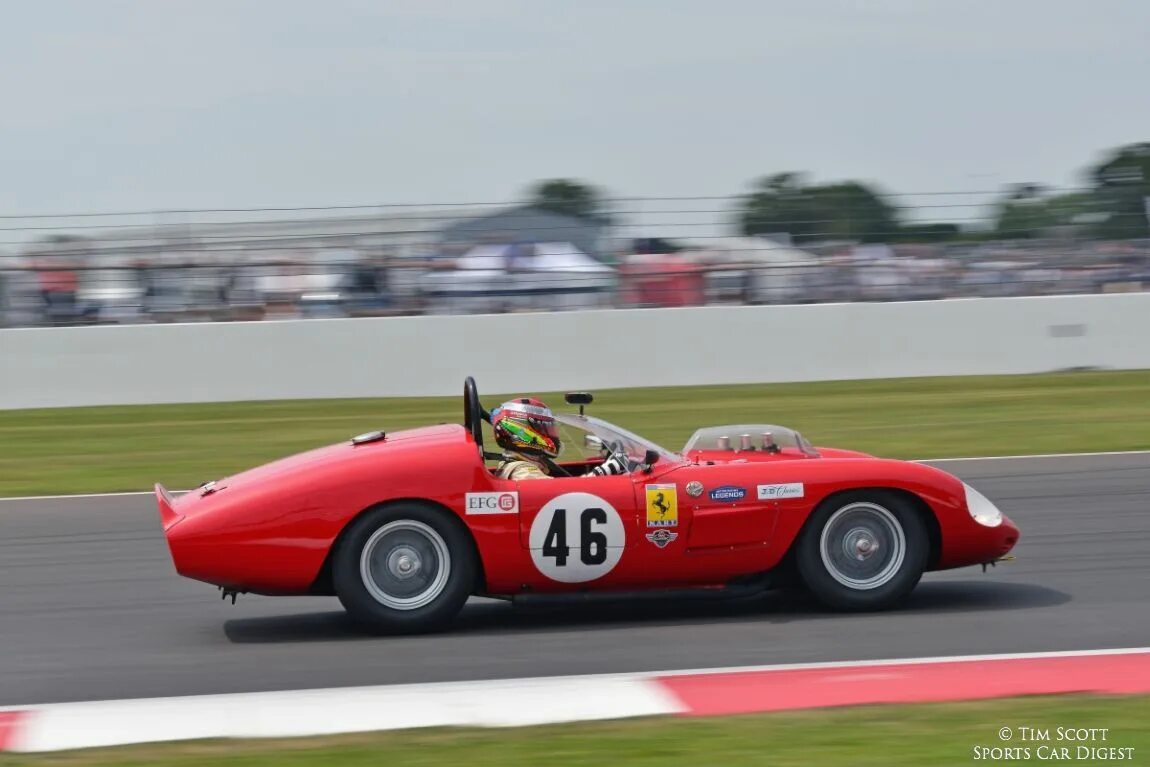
[
  {"x": 749, "y": 436},
  {"x": 573, "y": 430}
]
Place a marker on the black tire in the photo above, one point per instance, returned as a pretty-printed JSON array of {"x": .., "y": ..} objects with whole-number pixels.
[
  {"x": 863, "y": 550},
  {"x": 404, "y": 568}
]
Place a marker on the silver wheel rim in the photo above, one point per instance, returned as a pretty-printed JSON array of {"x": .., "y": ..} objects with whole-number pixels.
[
  {"x": 862, "y": 546},
  {"x": 405, "y": 565}
]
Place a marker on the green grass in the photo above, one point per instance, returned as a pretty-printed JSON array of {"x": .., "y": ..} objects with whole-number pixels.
[
  {"x": 128, "y": 448},
  {"x": 938, "y": 734}
]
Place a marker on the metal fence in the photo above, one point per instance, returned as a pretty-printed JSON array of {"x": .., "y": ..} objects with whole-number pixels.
[{"x": 190, "y": 266}]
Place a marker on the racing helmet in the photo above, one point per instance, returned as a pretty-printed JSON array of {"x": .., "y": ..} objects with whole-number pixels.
[{"x": 526, "y": 426}]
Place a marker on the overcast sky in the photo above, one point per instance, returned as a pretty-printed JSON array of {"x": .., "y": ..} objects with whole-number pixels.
[{"x": 147, "y": 104}]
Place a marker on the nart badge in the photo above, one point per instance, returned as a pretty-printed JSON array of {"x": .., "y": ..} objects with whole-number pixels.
[
  {"x": 662, "y": 537},
  {"x": 662, "y": 506}
]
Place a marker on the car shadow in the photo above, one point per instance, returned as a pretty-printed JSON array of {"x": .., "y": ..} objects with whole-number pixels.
[{"x": 482, "y": 617}]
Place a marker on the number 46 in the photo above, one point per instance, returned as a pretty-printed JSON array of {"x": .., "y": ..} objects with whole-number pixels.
[{"x": 592, "y": 543}]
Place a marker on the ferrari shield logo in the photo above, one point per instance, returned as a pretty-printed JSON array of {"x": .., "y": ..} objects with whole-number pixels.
[{"x": 662, "y": 506}]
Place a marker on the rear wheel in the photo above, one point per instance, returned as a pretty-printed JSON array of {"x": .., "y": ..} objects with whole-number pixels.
[
  {"x": 864, "y": 550},
  {"x": 404, "y": 568}
]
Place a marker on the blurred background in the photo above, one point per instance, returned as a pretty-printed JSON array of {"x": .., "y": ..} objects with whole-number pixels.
[
  {"x": 208, "y": 161},
  {"x": 567, "y": 245}
]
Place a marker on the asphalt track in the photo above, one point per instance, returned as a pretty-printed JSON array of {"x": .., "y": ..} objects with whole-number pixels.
[{"x": 90, "y": 607}]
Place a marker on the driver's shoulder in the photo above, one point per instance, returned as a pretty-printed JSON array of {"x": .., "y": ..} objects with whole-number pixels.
[{"x": 517, "y": 469}]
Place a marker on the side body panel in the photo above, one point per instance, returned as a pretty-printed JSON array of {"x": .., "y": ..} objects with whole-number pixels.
[{"x": 702, "y": 523}]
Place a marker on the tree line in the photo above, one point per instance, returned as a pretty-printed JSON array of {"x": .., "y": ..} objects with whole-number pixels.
[{"x": 1112, "y": 204}]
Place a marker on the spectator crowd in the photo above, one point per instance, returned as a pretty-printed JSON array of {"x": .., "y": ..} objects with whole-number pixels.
[{"x": 77, "y": 280}]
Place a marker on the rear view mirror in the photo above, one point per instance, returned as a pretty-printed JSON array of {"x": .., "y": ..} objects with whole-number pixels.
[
  {"x": 579, "y": 398},
  {"x": 649, "y": 460}
]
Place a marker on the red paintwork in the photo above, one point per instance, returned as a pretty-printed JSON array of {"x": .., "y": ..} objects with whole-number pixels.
[
  {"x": 269, "y": 530},
  {"x": 11, "y": 725},
  {"x": 852, "y": 684}
]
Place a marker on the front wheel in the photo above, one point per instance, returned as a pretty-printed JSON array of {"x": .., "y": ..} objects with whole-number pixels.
[
  {"x": 404, "y": 568},
  {"x": 864, "y": 550}
]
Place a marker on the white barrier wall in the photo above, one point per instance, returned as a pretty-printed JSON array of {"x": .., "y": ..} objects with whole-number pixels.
[{"x": 420, "y": 356}]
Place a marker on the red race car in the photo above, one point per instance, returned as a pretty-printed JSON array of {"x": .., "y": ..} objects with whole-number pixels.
[{"x": 404, "y": 527}]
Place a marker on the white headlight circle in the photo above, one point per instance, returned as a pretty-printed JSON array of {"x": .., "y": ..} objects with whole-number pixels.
[{"x": 981, "y": 508}]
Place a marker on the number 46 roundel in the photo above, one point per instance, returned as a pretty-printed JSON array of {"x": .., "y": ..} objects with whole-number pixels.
[{"x": 576, "y": 537}]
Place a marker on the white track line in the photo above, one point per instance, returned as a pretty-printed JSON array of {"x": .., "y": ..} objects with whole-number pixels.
[
  {"x": 80, "y": 496},
  {"x": 77, "y": 496},
  {"x": 1037, "y": 455},
  {"x": 908, "y": 661},
  {"x": 296, "y": 713}
]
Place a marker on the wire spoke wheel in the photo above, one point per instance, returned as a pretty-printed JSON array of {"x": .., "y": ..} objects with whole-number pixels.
[
  {"x": 862, "y": 546},
  {"x": 405, "y": 565}
]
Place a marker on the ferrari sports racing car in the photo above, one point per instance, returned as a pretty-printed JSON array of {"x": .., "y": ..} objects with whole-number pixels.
[{"x": 403, "y": 527}]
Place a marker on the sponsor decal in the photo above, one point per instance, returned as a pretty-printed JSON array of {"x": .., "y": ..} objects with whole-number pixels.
[
  {"x": 492, "y": 503},
  {"x": 780, "y": 492},
  {"x": 694, "y": 488},
  {"x": 662, "y": 506},
  {"x": 728, "y": 493},
  {"x": 661, "y": 538}
]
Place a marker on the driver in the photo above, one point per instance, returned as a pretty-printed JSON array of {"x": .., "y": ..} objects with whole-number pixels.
[{"x": 526, "y": 430}]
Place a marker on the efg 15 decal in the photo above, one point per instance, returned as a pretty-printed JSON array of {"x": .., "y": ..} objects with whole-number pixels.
[
  {"x": 662, "y": 506},
  {"x": 576, "y": 537},
  {"x": 491, "y": 503}
]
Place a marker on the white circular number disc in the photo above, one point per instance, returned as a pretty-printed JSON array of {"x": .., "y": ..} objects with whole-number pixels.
[{"x": 562, "y": 552}]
